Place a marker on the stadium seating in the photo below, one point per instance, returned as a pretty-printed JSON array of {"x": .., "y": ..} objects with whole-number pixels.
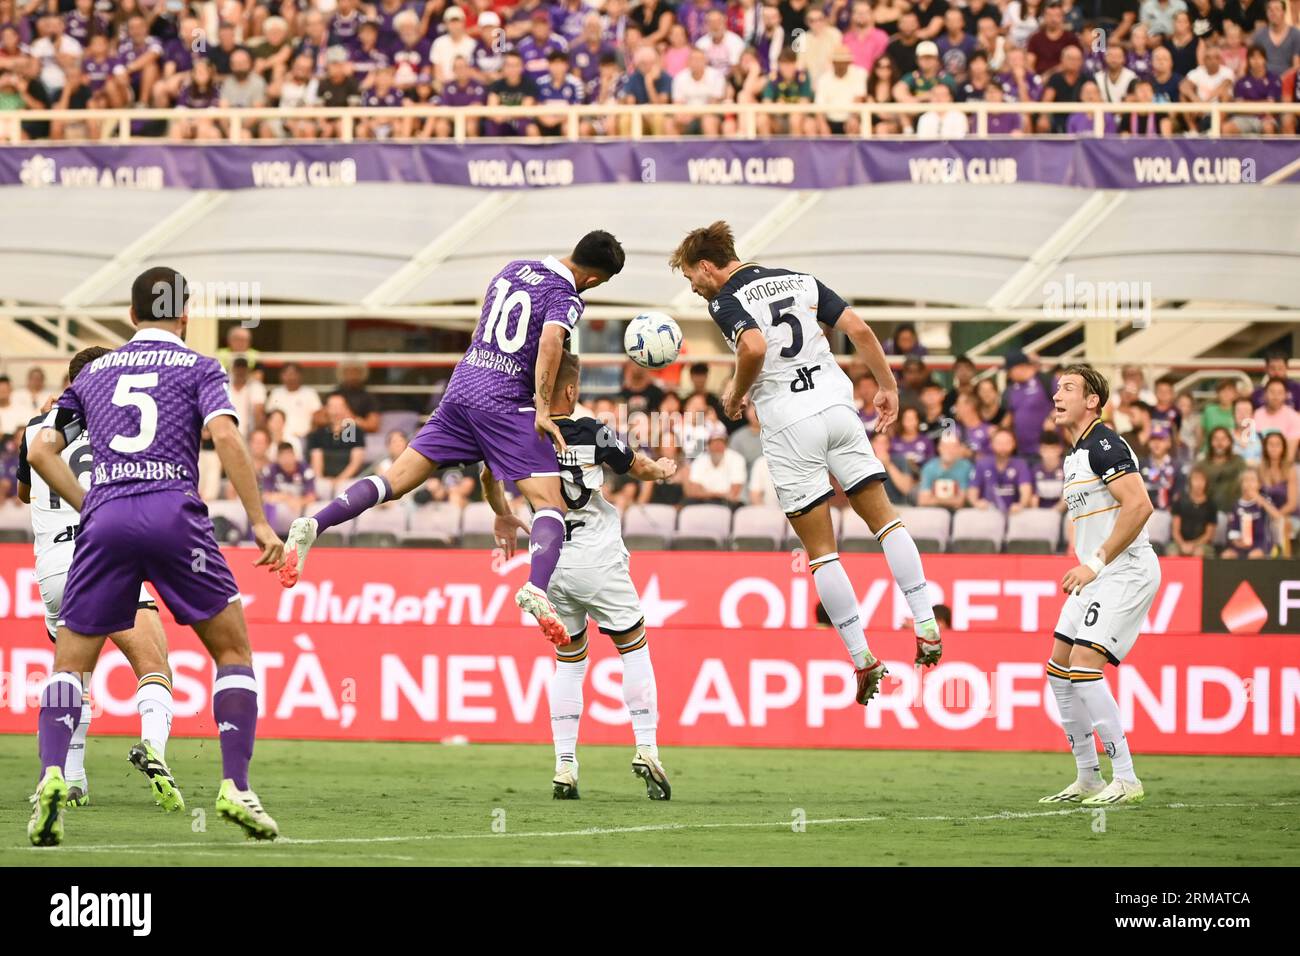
[
  {"x": 380, "y": 527},
  {"x": 703, "y": 528},
  {"x": 476, "y": 526},
  {"x": 432, "y": 526},
  {"x": 855, "y": 535},
  {"x": 335, "y": 537},
  {"x": 977, "y": 531},
  {"x": 649, "y": 527},
  {"x": 792, "y": 541},
  {"x": 929, "y": 527},
  {"x": 1033, "y": 531},
  {"x": 757, "y": 528},
  {"x": 229, "y": 520},
  {"x": 15, "y": 526}
]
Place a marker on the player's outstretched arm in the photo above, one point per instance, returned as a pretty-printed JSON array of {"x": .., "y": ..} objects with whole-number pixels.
[
  {"x": 646, "y": 469},
  {"x": 507, "y": 525},
  {"x": 549, "y": 349},
  {"x": 238, "y": 464},
  {"x": 45, "y": 448},
  {"x": 1134, "y": 510},
  {"x": 868, "y": 346}
]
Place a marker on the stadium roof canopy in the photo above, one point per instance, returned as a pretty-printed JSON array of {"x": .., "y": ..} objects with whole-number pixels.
[{"x": 424, "y": 252}]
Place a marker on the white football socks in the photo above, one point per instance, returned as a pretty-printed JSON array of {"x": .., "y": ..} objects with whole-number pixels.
[
  {"x": 905, "y": 565},
  {"x": 841, "y": 604},
  {"x": 153, "y": 699},
  {"x": 565, "y": 695},
  {"x": 1092, "y": 691},
  {"x": 1075, "y": 723},
  {"x": 641, "y": 693},
  {"x": 74, "y": 767}
]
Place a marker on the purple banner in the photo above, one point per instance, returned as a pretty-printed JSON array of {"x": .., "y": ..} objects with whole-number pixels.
[{"x": 793, "y": 163}]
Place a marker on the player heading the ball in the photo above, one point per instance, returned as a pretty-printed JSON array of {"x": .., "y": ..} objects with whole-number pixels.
[
  {"x": 773, "y": 319},
  {"x": 497, "y": 410}
]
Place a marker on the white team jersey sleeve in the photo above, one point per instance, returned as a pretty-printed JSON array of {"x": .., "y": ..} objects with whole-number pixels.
[
  {"x": 800, "y": 376},
  {"x": 1099, "y": 457},
  {"x": 54, "y": 521}
]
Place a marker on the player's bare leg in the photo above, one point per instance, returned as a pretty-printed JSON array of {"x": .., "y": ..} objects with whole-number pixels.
[
  {"x": 409, "y": 472},
  {"x": 545, "y": 539},
  {"x": 564, "y": 694},
  {"x": 1077, "y": 726},
  {"x": 234, "y": 708},
  {"x": 873, "y": 506},
  {"x": 61, "y": 701},
  {"x": 145, "y": 648},
  {"x": 836, "y": 592},
  {"x": 1087, "y": 677}
]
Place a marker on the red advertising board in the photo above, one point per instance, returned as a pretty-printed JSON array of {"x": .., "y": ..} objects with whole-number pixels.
[
  {"x": 731, "y": 590},
  {"x": 372, "y": 668}
]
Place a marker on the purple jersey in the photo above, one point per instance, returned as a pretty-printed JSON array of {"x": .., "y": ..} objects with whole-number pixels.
[
  {"x": 568, "y": 23},
  {"x": 1049, "y": 485},
  {"x": 128, "y": 52},
  {"x": 393, "y": 97},
  {"x": 1292, "y": 395},
  {"x": 97, "y": 72},
  {"x": 1029, "y": 403},
  {"x": 364, "y": 62},
  {"x": 1249, "y": 528},
  {"x": 384, "y": 18},
  {"x": 1033, "y": 86},
  {"x": 191, "y": 97},
  {"x": 413, "y": 58},
  {"x": 1254, "y": 89},
  {"x": 344, "y": 29},
  {"x": 978, "y": 438},
  {"x": 497, "y": 373},
  {"x": 916, "y": 450},
  {"x": 177, "y": 52},
  {"x": 1000, "y": 486},
  {"x": 586, "y": 61},
  {"x": 143, "y": 407},
  {"x": 454, "y": 94},
  {"x": 568, "y": 90},
  {"x": 535, "y": 54},
  {"x": 1161, "y": 478},
  {"x": 1139, "y": 63},
  {"x": 298, "y": 482},
  {"x": 487, "y": 60},
  {"x": 80, "y": 27}
]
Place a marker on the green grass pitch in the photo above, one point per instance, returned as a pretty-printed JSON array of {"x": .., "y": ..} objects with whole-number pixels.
[{"x": 427, "y": 804}]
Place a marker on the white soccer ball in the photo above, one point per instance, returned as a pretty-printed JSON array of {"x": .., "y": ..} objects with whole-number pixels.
[{"x": 652, "y": 340}]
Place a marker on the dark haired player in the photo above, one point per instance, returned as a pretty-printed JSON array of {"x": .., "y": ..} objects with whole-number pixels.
[
  {"x": 497, "y": 410},
  {"x": 592, "y": 580},
  {"x": 1110, "y": 591},
  {"x": 143, "y": 407},
  {"x": 54, "y": 529},
  {"x": 775, "y": 320}
]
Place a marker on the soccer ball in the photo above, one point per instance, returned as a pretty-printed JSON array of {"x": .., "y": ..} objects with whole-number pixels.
[{"x": 652, "y": 340}]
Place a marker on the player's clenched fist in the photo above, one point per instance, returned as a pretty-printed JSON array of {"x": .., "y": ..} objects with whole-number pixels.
[
  {"x": 667, "y": 465},
  {"x": 887, "y": 407}
]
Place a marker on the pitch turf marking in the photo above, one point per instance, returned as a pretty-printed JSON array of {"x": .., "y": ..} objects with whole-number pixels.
[{"x": 644, "y": 828}]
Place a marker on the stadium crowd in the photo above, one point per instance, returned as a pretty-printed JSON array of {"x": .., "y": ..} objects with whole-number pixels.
[
  {"x": 1224, "y": 471},
  {"x": 75, "y": 54}
]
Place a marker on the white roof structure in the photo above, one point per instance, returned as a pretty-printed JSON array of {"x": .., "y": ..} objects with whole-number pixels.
[{"x": 424, "y": 251}]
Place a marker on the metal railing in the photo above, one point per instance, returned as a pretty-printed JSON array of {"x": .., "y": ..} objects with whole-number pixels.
[{"x": 637, "y": 119}]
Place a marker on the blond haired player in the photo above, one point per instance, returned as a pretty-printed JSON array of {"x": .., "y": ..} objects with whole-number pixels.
[
  {"x": 1110, "y": 591},
  {"x": 775, "y": 321}
]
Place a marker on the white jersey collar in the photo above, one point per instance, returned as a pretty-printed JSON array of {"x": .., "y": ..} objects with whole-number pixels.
[
  {"x": 561, "y": 270},
  {"x": 158, "y": 335}
]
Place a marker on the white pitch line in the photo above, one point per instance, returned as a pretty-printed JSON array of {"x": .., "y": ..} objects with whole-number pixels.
[{"x": 645, "y": 828}]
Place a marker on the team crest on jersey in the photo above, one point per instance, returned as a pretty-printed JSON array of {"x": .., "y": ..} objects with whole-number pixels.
[
  {"x": 1105, "y": 445},
  {"x": 573, "y": 314},
  {"x": 715, "y": 305}
]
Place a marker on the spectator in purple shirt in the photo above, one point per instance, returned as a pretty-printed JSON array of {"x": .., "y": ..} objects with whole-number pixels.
[
  {"x": 102, "y": 72},
  {"x": 1028, "y": 401},
  {"x": 1083, "y": 124},
  {"x": 1001, "y": 124},
  {"x": 287, "y": 484},
  {"x": 178, "y": 58},
  {"x": 492, "y": 45},
  {"x": 366, "y": 55},
  {"x": 909, "y": 443},
  {"x": 410, "y": 54},
  {"x": 1256, "y": 86},
  {"x": 587, "y": 50},
  {"x": 955, "y": 45},
  {"x": 140, "y": 56},
  {"x": 1275, "y": 366},
  {"x": 346, "y": 24},
  {"x": 1018, "y": 81},
  {"x": 1001, "y": 480},
  {"x": 1160, "y": 469},
  {"x": 538, "y": 44},
  {"x": 557, "y": 86},
  {"x": 976, "y": 434},
  {"x": 463, "y": 89},
  {"x": 569, "y": 19},
  {"x": 693, "y": 15},
  {"x": 200, "y": 92},
  {"x": 1250, "y": 533},
  {"x": 904, "y": 341},
  {"x": 384, "y": 94},
  {"x": 84, "y": 21},
  {"x": 1048, "y": 475}
]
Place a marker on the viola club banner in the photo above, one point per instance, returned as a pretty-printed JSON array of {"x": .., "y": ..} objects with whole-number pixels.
[
  {"x": 427, "y": 645},
  {"x": 791, "y": 163}
]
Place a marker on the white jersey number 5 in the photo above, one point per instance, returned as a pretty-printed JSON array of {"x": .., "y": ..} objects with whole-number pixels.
[{"x": 125, "y": 395}]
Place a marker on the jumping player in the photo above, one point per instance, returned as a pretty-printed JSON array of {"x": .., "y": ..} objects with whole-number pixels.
[
  {"x": 773, "y": 319},
  {"x": 144, "y": 407},
  {"x": 592, "y": 580},
  {"x": 496, "y": 410},
  {"x": 1110, "y": 591},
  {"x": 54, "y": 526}
]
